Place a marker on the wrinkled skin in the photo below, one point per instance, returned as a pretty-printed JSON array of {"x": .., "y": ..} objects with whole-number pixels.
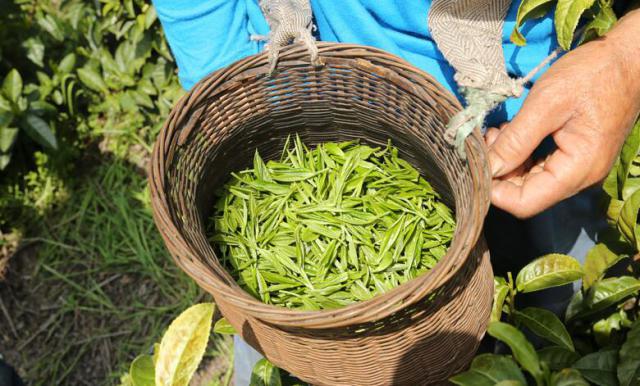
[{"x": 587, "y": 101}]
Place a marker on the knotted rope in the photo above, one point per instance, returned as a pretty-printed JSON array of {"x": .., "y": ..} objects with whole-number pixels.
[
  {"x": 481, "y": 101},
  {"x": 289, "y": 21},
  {"x": 469, "y": 35}
]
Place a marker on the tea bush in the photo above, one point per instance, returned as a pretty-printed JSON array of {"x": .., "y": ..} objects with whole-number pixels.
[{"x": 76, "y": 75}]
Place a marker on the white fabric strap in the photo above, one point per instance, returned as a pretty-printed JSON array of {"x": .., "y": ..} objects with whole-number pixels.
[{"x": 469, "y": 35}]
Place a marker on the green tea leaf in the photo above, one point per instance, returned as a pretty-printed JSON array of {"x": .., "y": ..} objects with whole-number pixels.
[
  {"x": 602, "y": 23},
  {"x": 568, "y": 377},
  {"x": 604, "y": 328},
  {"x": 67, "y": 64},
  {"x": 39, "y": 131},
  {"x": 529, "y": 9},
  {"x": 546, "y": 325},
  {"x": 12, "y": 85},
  {"x": 500, "y": 292},
  {"x": 142, "y": 371},
  {"x": 557, "y": 358},
  {"x": 598, "y": 260},
  {"x": 610, "y": 291},
  {"x": 8, "y": 136},
  {"x": 629, "y": 365},
  {"x": 599, "y": 367},
  {"x": 265, "y": 374},
  {"x": 223, "y": 326},
  {"x": 183, "y": 345},
  {"x": 630, "y": 150},
  {"x": 35, "y": 50},
  {"x": 4, "y": 160},
  {"x": 92, "y": 79},
  {"x": 548, "y": 271},
  {"x": 610, "y": 184},
  {"x": 627, "y": 222},
  {"x": 490, "y": 369},
  {"x": 567, "y": 15},
  {"x": 520, "y": 347}
]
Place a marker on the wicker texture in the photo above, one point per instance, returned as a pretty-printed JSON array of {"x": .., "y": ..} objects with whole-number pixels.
[{"x": 419, "y": 333}]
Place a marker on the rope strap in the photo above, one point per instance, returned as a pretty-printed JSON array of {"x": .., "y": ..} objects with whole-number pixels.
[
  {"x": 482, "y": 100},
  {"x": 289, "y": 21}
]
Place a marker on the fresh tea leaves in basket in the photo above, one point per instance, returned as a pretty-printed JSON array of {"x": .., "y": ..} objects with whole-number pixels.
[{"x": 326, "y": 227}]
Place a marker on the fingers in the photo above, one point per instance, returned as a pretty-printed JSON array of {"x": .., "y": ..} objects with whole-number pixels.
[
  {"x": 547, "y": 182},
  {"x": 543, "y": 112}
]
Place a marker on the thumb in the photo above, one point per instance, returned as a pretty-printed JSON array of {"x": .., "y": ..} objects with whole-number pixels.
[{"x": 540, "y": 115}]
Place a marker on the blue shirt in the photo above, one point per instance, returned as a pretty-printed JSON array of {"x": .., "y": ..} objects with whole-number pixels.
[{"x": 205, "y": 35}]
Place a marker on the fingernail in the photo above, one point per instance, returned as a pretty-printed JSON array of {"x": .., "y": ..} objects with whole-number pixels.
[{"x": 495, "y": 164}]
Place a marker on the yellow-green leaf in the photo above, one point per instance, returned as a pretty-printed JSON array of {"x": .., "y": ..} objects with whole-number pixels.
[
  {"x": 142, "y": 371},
  {"x": 265, "y": 374},
  {"x": 529, "y": 9},
  {"x": 520, "y": 347},
  {"x": 610, "y": 184},
  {"x": 183, "y": 345},
  {"x": 598, "y": 260},
  {"x": 92, "y": 79},
  {"x": 568, "y": 13},
  {"x": 630, "y": 150},
  {"x": 610, "y": 291},
  {"x": 500, "y": 291},
  {"x": 12, "y": 85},
  {"x": 223, "y": 326},
  {"x": 548, "y": 271},
  {"x": 627, "y": 221},
  {"x": 601, "y": 23}
]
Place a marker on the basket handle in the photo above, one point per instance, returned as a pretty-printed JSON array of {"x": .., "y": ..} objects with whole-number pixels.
[{"x": 289, "y": 20}]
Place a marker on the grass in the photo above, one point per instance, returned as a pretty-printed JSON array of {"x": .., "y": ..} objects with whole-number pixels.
[{"x": 95, "y": 286}]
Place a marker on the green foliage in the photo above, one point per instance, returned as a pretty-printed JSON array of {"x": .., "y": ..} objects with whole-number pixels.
[
  {"x": 520, "y": 347},
  {"x": 265, "y": 374},
  {"x": 178, "y": 355},
  {"x": 183, "y": 345},
  {"x": 74, "y": 73},
  {"x": 489, "y": 370},
  {"x": 223, "y": 326},
  {"x": 599, "y": 367},
  {"x": 142, "y": 371},
  {"x": 546, "y": 325},
  {"x": 599, "y": 341},
  {"x": 599, "y": 15},
  {"x": 629, "y": 366},
  {"x": 548, "y": 271}
]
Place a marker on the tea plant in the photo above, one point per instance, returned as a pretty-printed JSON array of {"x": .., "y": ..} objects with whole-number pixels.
[
  {"x": 599, "y": 339},
  {"x": 75, "y": 73},
  {"x": 598, "y": 16}
]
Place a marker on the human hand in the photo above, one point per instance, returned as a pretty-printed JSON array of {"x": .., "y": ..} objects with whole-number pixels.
[{"x": 587, "y": 101}]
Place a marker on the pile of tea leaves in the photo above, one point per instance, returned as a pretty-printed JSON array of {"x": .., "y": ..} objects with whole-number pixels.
[{"x": 326, "y": 227}]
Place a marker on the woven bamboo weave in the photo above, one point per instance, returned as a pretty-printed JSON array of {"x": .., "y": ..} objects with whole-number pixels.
[{"x": 421, "y": 332}]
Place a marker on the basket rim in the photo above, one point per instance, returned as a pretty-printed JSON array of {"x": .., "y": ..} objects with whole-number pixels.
[{"x": 215, "y": 280}]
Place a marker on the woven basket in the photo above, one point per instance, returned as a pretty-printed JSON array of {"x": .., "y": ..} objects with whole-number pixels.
[{"x": 421, "y": 332}]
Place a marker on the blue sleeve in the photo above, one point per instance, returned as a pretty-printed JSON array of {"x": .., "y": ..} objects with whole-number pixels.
[
  {"x": 401, "y": 29},
  {"x": 205, "y": 35}
]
